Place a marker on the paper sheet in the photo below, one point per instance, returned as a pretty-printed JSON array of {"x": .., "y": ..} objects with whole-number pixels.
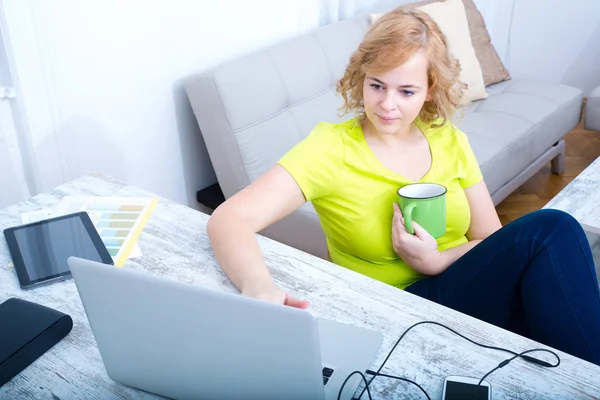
[
  {"x": 118, "y": 220},
  {"x": 38, "y": 215},
  {"x": 35, "y": 216}
]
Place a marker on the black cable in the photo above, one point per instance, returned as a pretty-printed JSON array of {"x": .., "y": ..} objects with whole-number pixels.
[
  {"x": 501, "y": 365},
  {"x": 434, "y": 323},
  {"x": 348, "y": 378},
  {"x": 401, "y": 379},
  {"x": 524, "y": 357}
]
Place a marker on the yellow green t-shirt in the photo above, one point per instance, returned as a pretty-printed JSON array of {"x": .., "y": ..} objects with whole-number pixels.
[{"x": 353, "y": 192}]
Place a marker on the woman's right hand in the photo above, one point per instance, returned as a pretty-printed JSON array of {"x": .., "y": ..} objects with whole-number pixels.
[{"x": 276, "y": 295}]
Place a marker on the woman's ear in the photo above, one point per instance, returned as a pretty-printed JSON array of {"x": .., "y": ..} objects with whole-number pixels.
[{"x": 429, "y": 96}]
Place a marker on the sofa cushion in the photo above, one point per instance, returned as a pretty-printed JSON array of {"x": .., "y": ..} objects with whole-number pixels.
[
  {"x": 451, "y": 18},
  {"x": 295, "y": 85},
  {"x": 517, "y": 123},
  {"x": 491, "y": 65}
]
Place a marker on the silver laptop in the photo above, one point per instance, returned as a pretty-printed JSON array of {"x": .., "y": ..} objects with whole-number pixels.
[{"x": 186, "y": 342}]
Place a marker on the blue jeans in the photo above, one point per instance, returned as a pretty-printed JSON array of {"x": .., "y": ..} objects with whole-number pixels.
[{"x": 534, "y": 277}]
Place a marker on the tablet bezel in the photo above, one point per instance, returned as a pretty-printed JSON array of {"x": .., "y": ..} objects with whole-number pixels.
[{"x": 24, "y": 280}]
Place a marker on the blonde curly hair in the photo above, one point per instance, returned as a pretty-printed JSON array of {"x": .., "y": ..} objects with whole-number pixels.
[{"x": 392, "y": 40}]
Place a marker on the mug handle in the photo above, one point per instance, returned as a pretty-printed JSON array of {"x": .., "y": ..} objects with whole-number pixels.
[{"x": 407, "y": 214}]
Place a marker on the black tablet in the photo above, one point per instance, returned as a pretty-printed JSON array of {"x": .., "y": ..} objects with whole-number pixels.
[{"x": 40, "y": 250}]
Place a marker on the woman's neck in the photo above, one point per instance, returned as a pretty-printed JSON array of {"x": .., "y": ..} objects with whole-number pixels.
[{"x": 404, "y": 135}]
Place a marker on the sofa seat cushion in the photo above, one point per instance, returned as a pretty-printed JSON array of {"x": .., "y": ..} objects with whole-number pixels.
[{"x": 517, "y": 123}]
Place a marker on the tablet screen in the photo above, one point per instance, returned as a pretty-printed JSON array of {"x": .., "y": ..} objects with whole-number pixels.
[{"x": 45, "y": 247}]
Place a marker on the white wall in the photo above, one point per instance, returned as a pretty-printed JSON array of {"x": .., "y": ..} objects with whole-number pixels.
[
  {"x": 5, "y": 75},
  {"x": 11, "y": 188},
  {"x": 100, "y": 81},
  {"x": 551, "y": 40}
]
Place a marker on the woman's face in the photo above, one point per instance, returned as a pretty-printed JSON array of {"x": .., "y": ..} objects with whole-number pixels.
[{"x": 393, "y": 100}]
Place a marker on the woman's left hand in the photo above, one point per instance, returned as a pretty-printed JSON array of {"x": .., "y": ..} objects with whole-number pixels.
[{"x": 420, "y": 250}]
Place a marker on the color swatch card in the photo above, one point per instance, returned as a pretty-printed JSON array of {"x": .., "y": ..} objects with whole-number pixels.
[{"x": 118, "y": 220}]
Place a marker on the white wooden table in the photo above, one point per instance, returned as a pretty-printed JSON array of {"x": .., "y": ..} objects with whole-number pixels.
[
  {"x": 581, "y": 199},
  {"x": 174, "y": 243}
]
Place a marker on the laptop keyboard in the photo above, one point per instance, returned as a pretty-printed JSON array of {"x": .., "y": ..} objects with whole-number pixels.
[{"x": 327, "y": 372}]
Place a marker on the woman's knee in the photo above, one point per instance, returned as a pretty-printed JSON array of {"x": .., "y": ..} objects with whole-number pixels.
[
  {"x": 552, "y": 218},
  {"x": 547, "y": 227}
]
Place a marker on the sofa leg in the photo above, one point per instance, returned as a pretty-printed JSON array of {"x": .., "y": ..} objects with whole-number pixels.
[{"x": 557, "y": 165}]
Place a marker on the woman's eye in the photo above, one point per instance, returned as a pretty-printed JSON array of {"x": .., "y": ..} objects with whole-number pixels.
[
  {"x": 407, "y": 92},
  {"x": 376, "y": 86}
]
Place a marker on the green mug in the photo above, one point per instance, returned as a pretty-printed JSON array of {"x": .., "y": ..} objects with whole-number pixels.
[{"x": 424, "y": 203}]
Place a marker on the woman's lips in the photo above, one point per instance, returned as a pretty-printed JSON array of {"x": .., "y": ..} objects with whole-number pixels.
[{"x": 387, "y": 120}]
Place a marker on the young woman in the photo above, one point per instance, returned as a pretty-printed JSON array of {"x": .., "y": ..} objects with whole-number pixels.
[{"x": 534, "y": 276}]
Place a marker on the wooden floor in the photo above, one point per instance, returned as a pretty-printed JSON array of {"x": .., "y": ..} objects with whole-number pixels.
[{"x": 583, "y": 147}]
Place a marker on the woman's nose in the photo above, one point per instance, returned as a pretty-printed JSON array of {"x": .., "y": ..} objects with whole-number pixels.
[{"x": 388, "y": 103}]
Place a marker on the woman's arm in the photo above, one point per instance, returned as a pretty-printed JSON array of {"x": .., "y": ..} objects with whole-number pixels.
[
  {"x": 484, "y": 218},
  {"x": 232, "y": 230}
]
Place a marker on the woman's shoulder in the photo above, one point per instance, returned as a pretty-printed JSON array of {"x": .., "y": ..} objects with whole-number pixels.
[
  {"x": 344, "y": 127},
  {"x": 335, "y": 132}
]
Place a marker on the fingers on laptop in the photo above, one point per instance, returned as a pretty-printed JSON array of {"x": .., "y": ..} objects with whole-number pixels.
[{"x": 294, "y": 302}]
